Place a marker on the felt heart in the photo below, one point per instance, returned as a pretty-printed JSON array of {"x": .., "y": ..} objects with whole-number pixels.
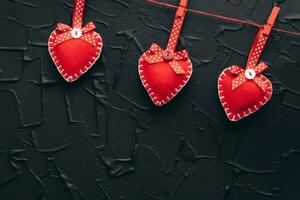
[
  {"x": 244, "y": 91},
  {"x": 164, "y": 72},
  {"x": 245, "y": 99},
  {"x": 164, "y": 80},
  {"x": 76, "y": 55}
]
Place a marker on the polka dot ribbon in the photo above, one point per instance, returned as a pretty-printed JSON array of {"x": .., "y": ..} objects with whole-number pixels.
[
  {"x": 244, "y": 76},
  {"x": 78, "y": 13},
  {"x": 159, "y": 55},
  {"x": 66, "y": 32},
  {"x": 177, "y": 25},
  {"x": 253, "y": 70}
]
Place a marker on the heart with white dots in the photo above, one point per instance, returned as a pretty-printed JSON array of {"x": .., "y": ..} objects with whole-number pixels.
[
  {"x": 165, "y": 72},
  {"x": 244, "y": 91},
  {"x": 244, "y": 100},
  {"x": 163, "y": 79},
  {"x": 74, "y": 50}
]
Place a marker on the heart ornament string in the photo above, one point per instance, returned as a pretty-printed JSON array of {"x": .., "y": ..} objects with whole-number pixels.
[
  {"x": 164, "y": 72},
  {"x": 244, "y": 91},
  {"x": 74, "y": 50}
]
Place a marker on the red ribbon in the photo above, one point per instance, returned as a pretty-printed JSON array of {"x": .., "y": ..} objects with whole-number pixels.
[
  {"x": 253, "y": 71},
  {"x": 256, "y": 76},
  {"x": 65, "y": 33},
  {"x": 159, "y": 55}
]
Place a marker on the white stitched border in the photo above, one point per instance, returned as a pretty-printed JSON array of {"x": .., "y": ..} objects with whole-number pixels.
[
  {"x": 73, "y": 77},
  {"x": 237, "y": 116},
  {"x": 169, "y": 97}
]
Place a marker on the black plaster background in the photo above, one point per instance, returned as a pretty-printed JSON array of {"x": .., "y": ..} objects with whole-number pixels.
[{"x": 101, "y": 137}]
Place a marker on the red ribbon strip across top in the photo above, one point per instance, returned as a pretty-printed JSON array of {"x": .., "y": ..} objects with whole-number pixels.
[
  {"x": 253, "y": 70},
  {"x": 169, "y": 54},
  {"x": 66, "y": 32},
  {"x": 159, "y": 55}
]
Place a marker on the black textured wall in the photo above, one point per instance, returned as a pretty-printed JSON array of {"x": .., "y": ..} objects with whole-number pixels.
[{"x": 101, "y": 137}]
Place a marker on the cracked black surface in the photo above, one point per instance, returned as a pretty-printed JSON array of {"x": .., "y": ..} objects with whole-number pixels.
[{"x": 101, "y": 137}]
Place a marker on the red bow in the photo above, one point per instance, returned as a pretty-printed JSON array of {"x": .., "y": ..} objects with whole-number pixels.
[
  {"x": 171, "y": 57},
  {"x": 65, "y": 33},
  {"x": 249, "y": 74}
]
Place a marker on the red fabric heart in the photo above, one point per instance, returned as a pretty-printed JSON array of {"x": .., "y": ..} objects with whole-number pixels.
[
  {"x": 244, "y": 91},
  {"x": 163, "y": 80},
  {"x": 165, "y": 72},
  {"x": 74, "y": 49},
  {"x": 74, "y": 56},
  {"x": 244, "y": 100}
]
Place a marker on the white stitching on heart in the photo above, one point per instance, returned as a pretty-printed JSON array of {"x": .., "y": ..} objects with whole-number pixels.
[
  {"x": 73, "y": 77},
  {"x": 237, "y": 117},
  {"x": 169, "y": 97}
]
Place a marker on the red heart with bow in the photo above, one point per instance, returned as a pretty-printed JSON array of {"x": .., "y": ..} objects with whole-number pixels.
[
  {"x": 164, "y": 73},
  {"x": 75, "y": 50},
  {"x": 74, "y": 56},
  {"x": 243, "y": 92}
]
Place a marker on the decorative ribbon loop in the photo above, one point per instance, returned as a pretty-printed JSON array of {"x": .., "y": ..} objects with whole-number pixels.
[
  {"x": 89, "y": 27},
  {"x": 177, "y": 25},
  {"x": 249, "y": 74},
  {"x": 169, "y": 55},
  {"x": 159, "y": 55},
  {"x": 63, "y": 27},
  {"x": 253, "y": 69},
  {"x": 65, "y": 33}
]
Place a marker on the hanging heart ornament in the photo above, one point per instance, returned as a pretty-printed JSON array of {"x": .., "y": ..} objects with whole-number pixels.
[
  {"x": 244, "y": 91},
  {"x": 165, "y": 72},
  {"x": 74, "y": 50}
]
